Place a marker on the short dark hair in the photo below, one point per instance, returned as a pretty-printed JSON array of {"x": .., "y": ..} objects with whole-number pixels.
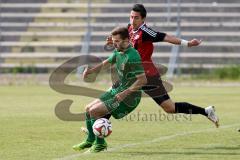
[
  {"x": 141, "y": 9},
  {"x": 122, "y": 31}
]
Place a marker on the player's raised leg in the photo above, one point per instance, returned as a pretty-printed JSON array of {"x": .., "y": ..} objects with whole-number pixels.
[{"x": 183, "y": 107}]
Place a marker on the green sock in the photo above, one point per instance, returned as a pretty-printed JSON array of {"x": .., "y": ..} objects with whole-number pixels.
[
  {"x": 98, "y": 140},
  {"x": 91, "y": 135}
]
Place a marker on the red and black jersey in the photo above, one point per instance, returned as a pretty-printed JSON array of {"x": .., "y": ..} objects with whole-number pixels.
[{"x": 142, "y": 40}]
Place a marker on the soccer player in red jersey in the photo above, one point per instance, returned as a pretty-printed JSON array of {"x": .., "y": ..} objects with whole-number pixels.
[{"x": 142, "y": 38}]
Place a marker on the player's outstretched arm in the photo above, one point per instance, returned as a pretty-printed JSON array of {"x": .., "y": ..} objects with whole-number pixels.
[
  {"x": 174, "y": 40},
  {"x": 95, "y": 70}
]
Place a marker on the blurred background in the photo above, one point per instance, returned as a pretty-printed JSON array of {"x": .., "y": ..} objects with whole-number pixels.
[{"x": 36, "y": 36}]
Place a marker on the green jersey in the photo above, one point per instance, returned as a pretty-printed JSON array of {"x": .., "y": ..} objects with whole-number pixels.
[{"x": 128, "y": 65}]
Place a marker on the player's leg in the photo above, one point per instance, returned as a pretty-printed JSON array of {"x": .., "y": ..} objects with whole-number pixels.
[
  {"x": 156, "y": 90},
  {"x": 181, "y": 107},
  {"x": 88, "y": 106},
  {"x": 90, "y": 136},
  {"x": 160, "y": 96},
  {"x": 88, "y": 142},
  {"x": 90, "y": 120},
  {"x": 85, "y": 130},
  {"x": 98, "y": 110},
  {"x": 105, "y": 97},
  {"x": 110, "y": 105},
  {"x": 184, "y": 107}
]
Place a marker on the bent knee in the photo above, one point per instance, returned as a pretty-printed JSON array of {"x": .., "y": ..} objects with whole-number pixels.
[{"x": 93, "y": 112}]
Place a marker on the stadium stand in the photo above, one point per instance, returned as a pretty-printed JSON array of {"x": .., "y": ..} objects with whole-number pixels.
[{"x": 45, "y": 33}]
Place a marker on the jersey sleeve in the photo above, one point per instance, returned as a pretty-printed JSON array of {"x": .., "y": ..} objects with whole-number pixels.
[
  {"x": 112, "y": 58},
  {"x": 151, "y": 35}
]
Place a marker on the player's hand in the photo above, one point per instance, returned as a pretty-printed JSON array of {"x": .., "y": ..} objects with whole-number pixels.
[
  {"x": 109, "y": 44},
  {"x": 109, "y": 40},
  {"x": 86, "y": 72},
  {"x": 194, "y": 42},
  {"x": 88, "y": 76}
]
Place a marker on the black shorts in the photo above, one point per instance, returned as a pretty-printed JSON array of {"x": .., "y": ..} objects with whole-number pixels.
[{"x": 155, "y": 89}]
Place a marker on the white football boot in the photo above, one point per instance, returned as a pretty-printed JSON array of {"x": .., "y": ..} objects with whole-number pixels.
[{"x": 210, "y": 110}]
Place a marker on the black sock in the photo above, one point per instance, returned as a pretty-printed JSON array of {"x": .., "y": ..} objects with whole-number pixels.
[{"x": 183, "y": 107}]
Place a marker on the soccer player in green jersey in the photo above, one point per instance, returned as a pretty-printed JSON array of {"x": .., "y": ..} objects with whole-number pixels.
[{"x": 121, "y": 100}]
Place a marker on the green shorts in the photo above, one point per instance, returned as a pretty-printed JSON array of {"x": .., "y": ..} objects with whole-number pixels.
[{"x": 119, "y": 110}]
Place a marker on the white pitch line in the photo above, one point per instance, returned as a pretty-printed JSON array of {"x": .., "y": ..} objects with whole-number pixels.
[{"x": 162, "y": 138}]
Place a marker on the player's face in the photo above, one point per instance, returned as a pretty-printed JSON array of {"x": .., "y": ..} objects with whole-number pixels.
[
  {"x": 136, "y": 20},
  {"x": 119, "y": 43}
]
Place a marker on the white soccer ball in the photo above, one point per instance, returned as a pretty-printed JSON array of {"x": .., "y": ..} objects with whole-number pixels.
[{"x": 102, "y": 127}]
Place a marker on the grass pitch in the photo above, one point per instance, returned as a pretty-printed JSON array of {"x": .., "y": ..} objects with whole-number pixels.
[{"x": 30, "y": 129}]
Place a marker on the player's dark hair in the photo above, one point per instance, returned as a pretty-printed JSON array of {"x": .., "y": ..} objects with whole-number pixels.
[
  {"x": 122, "y": 31},
  {"x": 141, "y": 9}
]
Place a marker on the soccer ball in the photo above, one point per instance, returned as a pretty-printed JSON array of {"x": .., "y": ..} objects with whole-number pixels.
[{"x": 102, "y": 127}]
